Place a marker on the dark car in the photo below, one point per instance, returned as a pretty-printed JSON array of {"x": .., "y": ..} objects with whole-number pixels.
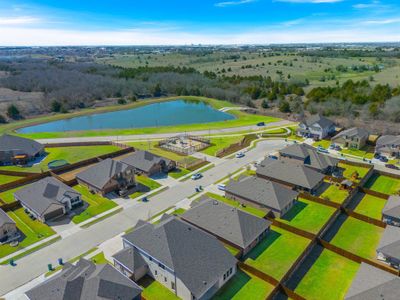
[
  {"x": 261, "y": 124},
  {"x": 392, "y": 166},
  {"x": 272, "y": 156},
  {"x": 377, "y": 155},
  {"x": 383, "y": 159}
]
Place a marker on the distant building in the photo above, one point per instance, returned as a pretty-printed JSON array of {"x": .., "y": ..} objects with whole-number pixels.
[
  {"x": 262, "y": 193},
  {"x": 294, "y": 175},
  {"x": 354, "y": 138},
  {"x": 48, "y": 198},
  {"x": 391, "y": 211},
  {"x": 388, "y": 145},
  {"x": 86, "y": 281},
  {"x": 18, "y": 150},
  {"x": 229, "y": 224},
  {"x": 8, "y": 228},
  {"x": 309, "y": 157},
  {"x": 389, "y": 246},
  {"x": 108, "y": 176},
  {"x": 316, "y": 126},
  {"x": 372, "y": 283},
  {"x": 149, "y": 163},
  {"x": 188, "y": 261}
]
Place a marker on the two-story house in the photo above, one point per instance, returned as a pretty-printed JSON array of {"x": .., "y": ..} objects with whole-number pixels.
[
  {"x": 354, "y": 138},
  {"x": 391, "y": 211},
  {"x": 388, "y": 249},
  {"x": 8, "y": 228},
  {"x": 388, "y": 145},
  {"x": 18, "y": 150},
  {"x": 316, "y": 126}
]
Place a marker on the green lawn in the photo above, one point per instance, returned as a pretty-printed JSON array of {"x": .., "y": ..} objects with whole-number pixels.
[
  {"x": 70, "y": 154},
  {"x": 361, "y": 153},
  {"x": 349, "y": 171},
  {"x": 33, "y": 231},
  {"x": 219, "y": 143},
  {"x": 99, "y": 259},
  {"x": 244, "y": 286},
  {"x": 234, "y": 251},
  {"x": 371, "y": 206},
  {"x": 179, "y": 211},
  {"x": 178, "y": 173},
  {"x": 154, "y": 290},
  {"x": 308, "y": 215},
  {"x": 251, "y": 210},
  {"x": 6, "y": 179},
  {"x": 8, "y": 196},
  {"x": 335, "y": 194},
  {"x": 147, "y": 182},
  {"x": 383, "y": 184},
  {"x": 329, "y": 278},
  {"x": 277, "y": 252},
  {"x": 97, "y": 204},
  {"x": 358, "y": 237},
  {"x": 323, "y": 143}
]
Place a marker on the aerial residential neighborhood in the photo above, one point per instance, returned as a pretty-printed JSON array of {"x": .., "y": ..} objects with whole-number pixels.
[{"x": 200, "y": 150}]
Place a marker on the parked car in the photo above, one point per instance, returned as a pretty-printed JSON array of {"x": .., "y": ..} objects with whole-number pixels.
[
  {"x": 383, "y": 159},
  {"x": 145, "y": 199},
  {"x": 221, "y": 186},
  {"x": 322, "y": 149},
  {"x": 338, "y": 148},
  {"x": 272, "y": 156},
  {"x": 196, "y": 176},
  {"x": 239, "y": 155},
  {"x": 332, "y": 146},
  {"x": 261, "y": 124},
  {"x": 392, "y": 166}
]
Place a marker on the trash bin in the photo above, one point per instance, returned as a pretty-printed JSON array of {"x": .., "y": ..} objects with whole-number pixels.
[
  {"x": 50, "y": 267},
  {"x": 60, "y": 261}
]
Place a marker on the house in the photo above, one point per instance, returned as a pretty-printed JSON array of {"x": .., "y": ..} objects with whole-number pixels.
[
  {"x": 391, "y": 211},
  {"x": 149, "y": 163},
  {"x": 18, "y": 150},
  {"x": 229, "y": 224},
  {"x": 316, "y": 126},
  {"x": 389, "y": 246},
  {"x": 354, "y": 138},
  {"x": 86, "y": 281},
  {"x": 8, "y": 228},
  {"x": 388, "y": 145},
  {"x": 108, "y": 176},
  {"x": 294, "y": 175},
  {"x": 190, "y": 262},
  {"x": 262, "y": 193},
  {"x": 310, "y": 157},
  {"x": 48, "y": 198},
  {"x": 372, "y": 283}
]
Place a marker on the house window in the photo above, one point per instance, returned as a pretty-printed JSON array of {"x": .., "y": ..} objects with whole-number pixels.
[
  {"x": 230, "y": 271},
  {"x": 224, "y": 276},
  {"x": 165, "y": 279},
  {"x": 161, "y": 266},
  {"x": 173, "y": 285},
  {"x": 155, "y": 272},
  {"x": 150, "y": 258}
]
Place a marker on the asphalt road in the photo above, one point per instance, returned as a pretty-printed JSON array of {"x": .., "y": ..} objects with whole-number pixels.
[{"x": 35, "y": 264}]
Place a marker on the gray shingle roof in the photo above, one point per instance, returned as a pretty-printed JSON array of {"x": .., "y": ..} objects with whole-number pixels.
[
  {"x": 4, "y": 218},
  {"x": 372, "y": 283},
  {"x": 101, "y": 173},
  {"x": 318, "y": 119},
  {"x": 390, "y": 242},
  {"x": 352, "y": 132},
  {"x": 392, "y": 207},
  {"x": 144, "y": 160},
  {"x": 197, "y": 258},
  {"x": 86, "y": 281},
  {"x": 227, "y": 222},
  {"x": 262, "y": 191},
  {"x": 130, "y": 258},
  {"x": 19, "y": 145},
  {"x": 43, "y": 193},
  {"x": 292, "y": 173},
  {"x": 310, "y": 156},
  {"x": 388, "y": 140}
]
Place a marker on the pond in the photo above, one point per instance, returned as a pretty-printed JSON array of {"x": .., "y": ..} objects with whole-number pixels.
[{"x": 169, "y": 113}]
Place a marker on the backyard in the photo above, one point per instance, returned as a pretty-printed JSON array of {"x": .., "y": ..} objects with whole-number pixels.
[
  {"x": 371, "y": 206},
  {"x": 6, "y": 179},
  {"x": 358, "y": 237},
  {"x": 153, "y": 290},
  {"x": 349, "y": 170},
  {"x": 277, "y": 252},
  {"x": 244, "y": 286},
  {"x": 8, "y": 196},
  {"x": 147, "y": 185},
  {"x": 329, "y": 278},
  {"x": 97, "y": 204},
  {"x": 307, "y": 215},
  {"x": 383, "y": 184},
  {"x": 334, "y": 193}
]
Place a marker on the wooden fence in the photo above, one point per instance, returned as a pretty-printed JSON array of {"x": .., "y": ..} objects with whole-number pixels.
[
  {"x": 319, "y": 200},
  {"x": 374, "y": 193},
  {"x": 15, "y": 173},
  {"x": 293, "y": 229},
  {"x": 245, "y": 142}
]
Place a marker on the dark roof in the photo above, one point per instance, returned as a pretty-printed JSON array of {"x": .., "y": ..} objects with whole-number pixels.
[
  {"x": 144, "y": 160},
  {"x": 197, "y": 258},
  {"x": 19, "y": 145},
  {"x": 4, "y": 218},
  {"x": 86, "y": 281},
  {"x": 392, "y": 207},
  {"x": 318, "y": 119},
  {"x": 292, "y": 173},
  {"x": 310, "y": 156},
  {"x": 389, "y": 244},
  {"x": 45, "y": 192},
  {"x": 372, "y": 283},
  {"x": 388, "y": 140},
  {"x": 262, "y": 191},
  {"x": 352, "y": 132},
  {"x": 130, "y": 258},
  {"x": 101, "y": 173},
  {"x": 226, "y": 222}
]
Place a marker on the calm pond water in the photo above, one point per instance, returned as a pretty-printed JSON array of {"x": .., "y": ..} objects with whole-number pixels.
[{"x": 153, "y": 115}]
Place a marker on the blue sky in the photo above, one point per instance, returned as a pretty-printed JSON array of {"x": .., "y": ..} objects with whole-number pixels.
[{"x": 154, "y": 22}]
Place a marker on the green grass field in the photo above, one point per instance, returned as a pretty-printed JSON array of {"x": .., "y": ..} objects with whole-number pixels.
[
  {"x": 358, "y": 237},
  {"x": 383, "y": 184},
  {"x": 219, "y": 143},
  {"x": 277, "y": 252},
  {"x": 33, "y": 231},
  {"x": 371, "y": 206},
  {"x": 244, "y": 286},
  {"x": 308, "y": 215},
  {"x": 323, "y": 143},
  {"x": 7, "y": 179},
  {"x": 99, "y": 259},
  {"x": 8, "y": 196},
  {"x": 147, "y": 182},
  {"x": 249, "y": 209},
  {"x": 349, "y": 171},
  {"x": 153, "y": 290},
  {"x": 365, "y": 153},
  {"x": 335, "y": 194},
  {"x": 97, "y": 204},
  {"x": 329, "y": 278},
  {"x": 70, "y": 154}
]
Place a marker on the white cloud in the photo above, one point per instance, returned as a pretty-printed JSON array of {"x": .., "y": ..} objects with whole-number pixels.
[
  {"x": 382, "y": 21},
  {"x": 18, "y": 20},
  {"x": 233, "y": 3},
  {"x": 310, "y": 1}
]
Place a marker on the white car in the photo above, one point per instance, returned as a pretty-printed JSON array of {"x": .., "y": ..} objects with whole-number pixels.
[
  {"x": 221, "y": 186},
  {"x": 196, "y": 176},
  {"x": 239, "y": 155}
]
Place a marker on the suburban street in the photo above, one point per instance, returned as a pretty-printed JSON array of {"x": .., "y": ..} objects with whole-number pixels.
[{"x": 35, "y": 264}]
